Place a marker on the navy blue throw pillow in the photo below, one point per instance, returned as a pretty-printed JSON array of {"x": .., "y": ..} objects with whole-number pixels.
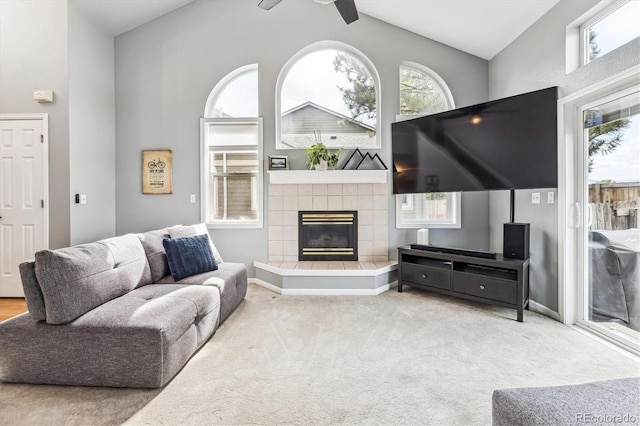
[{"x": 189, "y": 256}]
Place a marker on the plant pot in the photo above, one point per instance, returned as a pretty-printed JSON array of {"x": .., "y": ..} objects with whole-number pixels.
[{"x": 321, "y": 166}]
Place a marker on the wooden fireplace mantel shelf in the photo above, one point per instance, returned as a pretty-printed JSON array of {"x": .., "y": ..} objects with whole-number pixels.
[{"x": 284, "y": 177}]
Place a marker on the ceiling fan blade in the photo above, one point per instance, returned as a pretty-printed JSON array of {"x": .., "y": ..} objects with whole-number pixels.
[
  {"x": 268, "y": 4},
  {"x": 347, "y": 9}
]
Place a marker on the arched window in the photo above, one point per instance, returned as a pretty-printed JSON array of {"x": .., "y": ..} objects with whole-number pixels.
[
  {"x": 236, "y": 95},
  {"x": 231, "y": 159},
  {"x": 423, "y": 92},
  {"x": 328, "y": 91}
]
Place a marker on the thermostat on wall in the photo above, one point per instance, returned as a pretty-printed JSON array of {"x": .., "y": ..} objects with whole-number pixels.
[{"x": 43, "y": 95}]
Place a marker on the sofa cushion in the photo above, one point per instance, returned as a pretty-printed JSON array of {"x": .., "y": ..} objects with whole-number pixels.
[
  {"x": 156, "y": 256},
  {"x": 189, "y": 256},
  {"x": 231, "y": 280},
  {"x": 75, "y": 280},
  {"x": 191, "y": 230},
  {"x": 129, "y": 256},
  {"x": 32, "y": 292},
  {"x": 141, "y": 339}
]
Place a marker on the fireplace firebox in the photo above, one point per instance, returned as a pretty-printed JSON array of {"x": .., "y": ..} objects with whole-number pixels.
[{"x": 328, "y": 235}]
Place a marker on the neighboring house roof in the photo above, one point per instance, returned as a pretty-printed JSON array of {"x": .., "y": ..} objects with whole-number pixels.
[
  {"x": 338, "y": 130},
  {"x": 310, "y": 106}
]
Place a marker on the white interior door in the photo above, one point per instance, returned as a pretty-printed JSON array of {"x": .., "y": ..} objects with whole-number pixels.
[{"x": 23, "y": 215}]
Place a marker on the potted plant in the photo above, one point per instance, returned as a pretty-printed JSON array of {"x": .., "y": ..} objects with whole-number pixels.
[
  {"x": 318, "y": 156},
  {"x": 321, "y": 158}
]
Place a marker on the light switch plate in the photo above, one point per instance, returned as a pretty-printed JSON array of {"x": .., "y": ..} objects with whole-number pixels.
[
  {"x": 551, "y": 197},
  {"x": 192, "y": 198},
  {"x": 535, "y": 198}
]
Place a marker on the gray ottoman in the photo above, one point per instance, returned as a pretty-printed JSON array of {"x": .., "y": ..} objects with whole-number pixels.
[{"x": 609, "y": 402}]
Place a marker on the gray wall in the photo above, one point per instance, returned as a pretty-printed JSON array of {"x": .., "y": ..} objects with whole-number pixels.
[
  {"x": 166, "y": 69},
  {"x": 34, "y": 55},
  {"x": 91, "y": 128},
  {"x": 534, "y": 61}
]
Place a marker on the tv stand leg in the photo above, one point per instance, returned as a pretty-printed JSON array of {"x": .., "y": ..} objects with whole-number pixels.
[
  {"x": 399, "y": 286},
  {"x": 520, "y": 315}
]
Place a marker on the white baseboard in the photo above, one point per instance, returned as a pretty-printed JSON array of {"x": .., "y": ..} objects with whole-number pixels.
[
  {"x": 334, "y": 291},
  {"x": 265, "y": 284},
  {"x": 321, "y": 292},
  {"x": 541, "y": 309}
]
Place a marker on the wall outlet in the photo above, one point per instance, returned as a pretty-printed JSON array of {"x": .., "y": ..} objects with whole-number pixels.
[
  {"x": 192, "y": 198},
  {"x": 535, "y": 198},
  {"x": 551, "y": 197}
]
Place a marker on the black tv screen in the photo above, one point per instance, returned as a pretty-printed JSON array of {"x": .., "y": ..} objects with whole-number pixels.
[{"x": 508, "y": 143}]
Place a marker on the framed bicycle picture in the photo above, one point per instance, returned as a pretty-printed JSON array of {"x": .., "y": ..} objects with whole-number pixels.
[{"x": 157, "y": 175}]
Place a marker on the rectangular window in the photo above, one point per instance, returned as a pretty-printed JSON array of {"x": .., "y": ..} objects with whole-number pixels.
[
  {"x": 435, "y": 210},
  {"x": 232, "y": 172},
  {"x": 609, "y": 28}
]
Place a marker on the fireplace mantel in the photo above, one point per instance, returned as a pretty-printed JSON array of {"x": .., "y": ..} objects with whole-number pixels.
[{"x": 284, "y": 177}]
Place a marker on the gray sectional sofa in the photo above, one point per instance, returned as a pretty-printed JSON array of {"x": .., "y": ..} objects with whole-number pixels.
[
  {"x": 608, "y": 402},
  {"x": 109, "y": 313}
]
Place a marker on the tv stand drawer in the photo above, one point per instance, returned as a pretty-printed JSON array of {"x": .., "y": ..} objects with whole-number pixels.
[
  {"x": 426, "y": 275},
  {"x": 486, "y": 287}
]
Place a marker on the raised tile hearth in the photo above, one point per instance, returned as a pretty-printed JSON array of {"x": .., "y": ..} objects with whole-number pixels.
[{"x": 327, "y": 278}]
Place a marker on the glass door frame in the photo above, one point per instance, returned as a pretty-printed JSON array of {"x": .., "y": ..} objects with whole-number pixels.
[
  {"x": 572, "y": 191},
  {"x": 586, "y": 216}
]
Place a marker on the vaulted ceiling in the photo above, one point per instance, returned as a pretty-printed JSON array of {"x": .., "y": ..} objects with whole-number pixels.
[{"x": 479, "y": 27}]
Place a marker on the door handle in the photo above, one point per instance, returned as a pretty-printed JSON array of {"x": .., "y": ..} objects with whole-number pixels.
[
  {"x": 589, "y": 215},
  {"x": 577, "y": 215}
]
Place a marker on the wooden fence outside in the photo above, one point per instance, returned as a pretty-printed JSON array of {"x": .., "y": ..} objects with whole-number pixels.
[
  {"x": 612, "y": 192},
  {"x": 614, "y": 205},
  {"x": 617, "y": 215}
]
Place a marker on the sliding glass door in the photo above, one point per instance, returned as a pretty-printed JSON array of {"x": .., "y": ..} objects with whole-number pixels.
[{"x": 606, "y": 217}]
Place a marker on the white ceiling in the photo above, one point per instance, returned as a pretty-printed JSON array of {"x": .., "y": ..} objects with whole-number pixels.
[
  {"x": 120, "y": 16},
  {"x": 479, "y": 27}
]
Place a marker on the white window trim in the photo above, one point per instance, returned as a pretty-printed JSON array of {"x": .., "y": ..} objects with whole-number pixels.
[
  {"x": 222, "y": 84},
  {"x": 323, "y": 45},
  {"x": 205, "y": 172},
  {"x": 405, "y": 203},
  {"x": 453, "y": 221},
  {"x": 609, "y": 8},
  {"x": 577, "y": 39},
  {"x": 454, "y": 199}
]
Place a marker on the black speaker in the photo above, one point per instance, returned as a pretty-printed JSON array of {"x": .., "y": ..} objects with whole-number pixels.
[{"x": 515, "y": 244}]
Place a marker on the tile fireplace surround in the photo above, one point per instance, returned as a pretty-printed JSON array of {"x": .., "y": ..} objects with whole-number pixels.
[
  {"x": 366, "y": 191},
  {"x": 290, "y": 191}
]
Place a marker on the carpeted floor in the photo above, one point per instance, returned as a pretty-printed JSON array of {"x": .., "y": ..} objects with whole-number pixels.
[{"x": 397, "y": 358}]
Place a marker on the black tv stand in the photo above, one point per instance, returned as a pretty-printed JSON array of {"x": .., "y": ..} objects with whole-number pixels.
[
  {"x": 461, "y": 252},
  {"x": 501, "y": 282}
]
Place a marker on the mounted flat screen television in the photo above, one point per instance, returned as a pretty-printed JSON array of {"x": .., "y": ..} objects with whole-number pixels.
[{"x": 505, "y": 144}]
